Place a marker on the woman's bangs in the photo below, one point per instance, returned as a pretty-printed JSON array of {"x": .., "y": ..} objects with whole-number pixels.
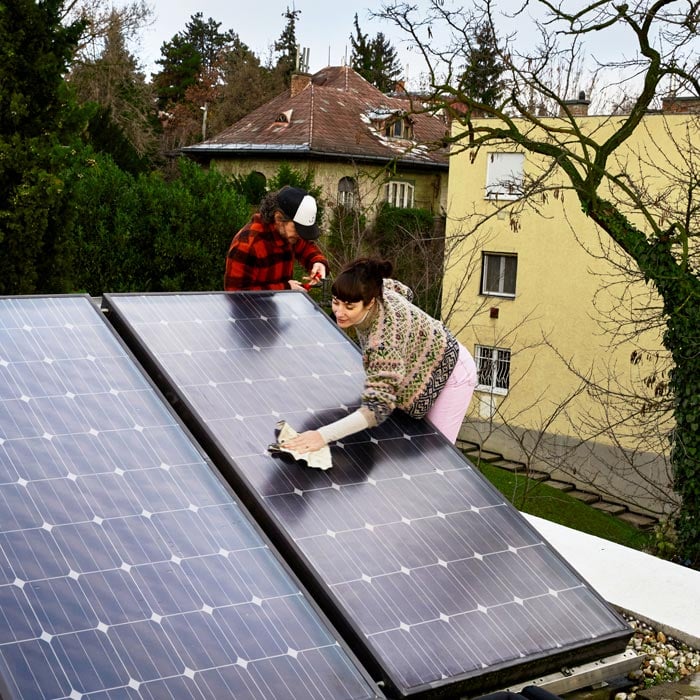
[{"x": 347, "y": 288}]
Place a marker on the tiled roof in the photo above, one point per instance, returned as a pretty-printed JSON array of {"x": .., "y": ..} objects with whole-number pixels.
[{"x": 330, "y": 117}]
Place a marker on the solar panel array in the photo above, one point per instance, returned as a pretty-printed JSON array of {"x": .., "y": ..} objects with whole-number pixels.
[
  {"x": 127, "y": 567},
  {"x": 440, "y": 586}
]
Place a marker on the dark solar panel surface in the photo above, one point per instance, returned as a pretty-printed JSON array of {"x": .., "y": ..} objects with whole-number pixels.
[
  {"x": 439, "y": 584},
  {"x": 127, "y": 568}
]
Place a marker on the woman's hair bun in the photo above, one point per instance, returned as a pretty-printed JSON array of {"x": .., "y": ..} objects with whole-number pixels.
[
  {"x": 385, "y": 268},
  {"x": 362, "y": 280},
  {"x": 376, "y": 268}
]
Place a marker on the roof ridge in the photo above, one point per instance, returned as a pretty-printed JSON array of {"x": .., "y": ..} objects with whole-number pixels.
[
  {"x": 332, "y": 115},
  {"x": 312, "y": 96}
]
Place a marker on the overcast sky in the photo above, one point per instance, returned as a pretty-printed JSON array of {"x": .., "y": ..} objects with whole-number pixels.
[{"x": 324, "y": 26}]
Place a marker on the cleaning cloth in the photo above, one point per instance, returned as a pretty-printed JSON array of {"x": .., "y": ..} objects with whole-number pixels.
[{"x": 320, "y": 459}]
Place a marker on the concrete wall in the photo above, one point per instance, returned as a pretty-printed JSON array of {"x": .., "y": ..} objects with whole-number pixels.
[{"x": 430, "y": 187}]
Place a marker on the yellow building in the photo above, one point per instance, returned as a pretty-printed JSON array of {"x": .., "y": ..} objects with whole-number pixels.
[{"x": 545, "y": 301}]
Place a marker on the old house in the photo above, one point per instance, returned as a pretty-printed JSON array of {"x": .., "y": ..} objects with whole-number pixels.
[{"x": 362, "y": 146}]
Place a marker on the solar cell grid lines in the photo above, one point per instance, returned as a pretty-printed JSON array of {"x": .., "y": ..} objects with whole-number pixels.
[
  {"x": 127, "y": 567},
  {"x": 438, "y": 584}
]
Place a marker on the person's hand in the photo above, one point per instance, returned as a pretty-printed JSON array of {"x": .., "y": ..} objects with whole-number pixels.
[
  {"x": 308, "y": 441},
  {"x": 296, "y": 286},
  {"x": 310, "y": 282},
  {"x": 318, "y": 271}
]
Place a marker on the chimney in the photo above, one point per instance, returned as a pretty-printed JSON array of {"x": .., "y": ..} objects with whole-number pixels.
[
  {"x": 688, "y": 104},
  {"x": 299, "y": 82},
  {"x": 577, "y": 108}
]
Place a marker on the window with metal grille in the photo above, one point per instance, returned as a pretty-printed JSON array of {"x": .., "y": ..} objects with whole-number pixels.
[
  {"x": 498, "y": 274},
  {"x": 399, "y": 194},
  {"x": 493, "y": 369}
]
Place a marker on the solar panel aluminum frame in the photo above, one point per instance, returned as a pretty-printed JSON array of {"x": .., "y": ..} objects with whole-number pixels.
[
  {"x": 362, "y": 675},
  {"x": 467, "y": 684}
]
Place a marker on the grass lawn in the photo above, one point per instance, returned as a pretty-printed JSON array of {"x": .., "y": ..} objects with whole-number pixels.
[{"x": 536, "y": 498}]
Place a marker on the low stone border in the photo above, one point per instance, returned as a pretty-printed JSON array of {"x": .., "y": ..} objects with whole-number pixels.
[{"x": 641, "y": 521}]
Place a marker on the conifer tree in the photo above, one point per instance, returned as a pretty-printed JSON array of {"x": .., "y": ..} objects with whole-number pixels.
[
  {"x": 190, "y": 53},
  {"x": 125, "y": 118},
  {"x": 375, "y": 59},
  {"x": 286, "y": 45},
  {"x": 35, "y": 49},
  {"x": 361, "y": 57},
  {"x": 36, "y": 125},
  {"x": 207, "y": 38},
  {"x": 181, "y": 65},
  {"x": 482, "y": 79}
]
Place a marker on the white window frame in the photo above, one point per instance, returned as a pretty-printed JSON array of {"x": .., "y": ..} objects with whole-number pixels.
[
  {"x": 504, "y": 175},
  {"x": 499, "y": 360},
  {"x": 399, "y": 193},
  {"x": 488, "y": 260}
]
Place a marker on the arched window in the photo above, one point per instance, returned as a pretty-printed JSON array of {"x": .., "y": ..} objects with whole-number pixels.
[{"x": 347, "y": 192}]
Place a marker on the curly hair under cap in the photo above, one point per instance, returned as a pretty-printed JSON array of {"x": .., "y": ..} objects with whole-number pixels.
[
  {"x": 362, "y": 280},
  {"x": 268, "y": 206}
]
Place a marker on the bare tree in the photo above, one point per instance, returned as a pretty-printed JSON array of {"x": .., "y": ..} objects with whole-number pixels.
[
  {"x": 362, "y": 222},
  {"x": 661, "y": 243},
  {"x": 99, "y": 17},
  {"x": 635, "y": 405},
  {"x": 113, "y": 80}
]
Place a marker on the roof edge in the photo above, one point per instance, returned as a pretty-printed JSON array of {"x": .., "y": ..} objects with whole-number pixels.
[{"x": 413, "y": 163}]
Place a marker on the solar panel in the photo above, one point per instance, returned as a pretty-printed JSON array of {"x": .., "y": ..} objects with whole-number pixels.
[
  {"x": 127, "y": 567},
  {"x": 439, "y": 585}
]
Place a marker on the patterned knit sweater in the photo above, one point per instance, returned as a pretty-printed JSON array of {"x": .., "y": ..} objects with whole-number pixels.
[{"x": 407, "y": 355}]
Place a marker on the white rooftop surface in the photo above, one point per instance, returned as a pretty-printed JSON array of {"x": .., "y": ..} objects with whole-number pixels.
[{"x": 656, "y": 591}]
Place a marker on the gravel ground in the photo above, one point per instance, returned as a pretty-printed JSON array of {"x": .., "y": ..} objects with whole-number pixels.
[{"x": 668, "y": 659}]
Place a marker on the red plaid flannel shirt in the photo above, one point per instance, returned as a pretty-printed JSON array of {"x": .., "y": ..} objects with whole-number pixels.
[{"x": 259, "y": 258}]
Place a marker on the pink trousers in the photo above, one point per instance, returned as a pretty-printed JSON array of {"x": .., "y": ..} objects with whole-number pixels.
[{"x": 450, "y": 407}]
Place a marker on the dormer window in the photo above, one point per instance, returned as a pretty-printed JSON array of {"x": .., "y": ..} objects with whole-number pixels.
[
  {"x": 391, "y": 123},
  {"x": 284, "y": 117},
  {"x": 399, "y": 129}
]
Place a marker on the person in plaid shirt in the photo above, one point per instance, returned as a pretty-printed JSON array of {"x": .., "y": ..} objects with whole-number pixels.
[{"x": 262, "y": 253}]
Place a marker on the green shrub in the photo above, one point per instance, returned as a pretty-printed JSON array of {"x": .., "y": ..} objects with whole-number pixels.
[
  {"x": 148, "y": 234},
  {"x": 35, "y": 216},
  {"x": 199, "y": 214},
  {"x": 109, "y": 258},
  {"x": 414, "y": 243},
  {"x": 286, "y": 175},
  {"x": 251, "y": 186}
]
